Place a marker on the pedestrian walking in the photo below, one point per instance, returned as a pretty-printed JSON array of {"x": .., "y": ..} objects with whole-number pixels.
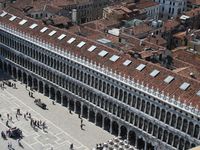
[
  {"x": 79, "y": 115},
  {"x": 7, "y": 116},
  {"x": 71, "y": 146},
  {"x": 81, "y": 121}
]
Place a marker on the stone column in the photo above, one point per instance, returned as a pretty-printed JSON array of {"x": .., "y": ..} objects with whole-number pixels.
[
  {"x": 81, "y": 109},
  {"x": 95, "y": 117},
  {"x": 75, "y": 106},
  {"x": 61, "y": 99},
  {"x": 110, "y": 130}
]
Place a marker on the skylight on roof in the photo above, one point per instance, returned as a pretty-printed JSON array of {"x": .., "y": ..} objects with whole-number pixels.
[
  {"x": 184, "y": 86},
  {"x": 168, "y": 79},
  {"x": 52, "y": 33},
  {"x": 22, "y": 22},
  {"x": 92, "y": 48},
  {"x": 70, "y": 41},
  {"x": 141, "y": 67},
  {"x": 12, "y": 18},
  {"x": 103, "y": 53},
  {"x": 61, "y": 36},
  {"x": 154, "y": 73},
  {"x": 127, "y": 62},
  {"x": 198, "y": 93},
  {"x": 33, "y": 26},
  {"x": 81, "y": 44},
  {"x": 43, "y": 29},
  {"x": 114, "y": 58},
  {"x": 3, "y": 14}
]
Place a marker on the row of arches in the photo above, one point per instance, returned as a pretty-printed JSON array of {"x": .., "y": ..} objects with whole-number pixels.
[
  {"x": 98, "y": 118},
  {"x": 95, "y": 82},
  {"x": 140, "y": 104}
]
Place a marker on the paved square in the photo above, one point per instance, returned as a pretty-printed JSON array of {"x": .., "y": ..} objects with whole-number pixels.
[{"x": 63, "y": 127}]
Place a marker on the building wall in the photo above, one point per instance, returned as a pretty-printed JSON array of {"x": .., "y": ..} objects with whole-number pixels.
[
  {"x": 111, "y": 104},
  {"x": 171, "y": 8},
  {"x": 152, "y": 12}
]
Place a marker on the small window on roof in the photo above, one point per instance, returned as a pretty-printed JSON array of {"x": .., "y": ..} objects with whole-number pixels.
[
  {"x": 103, "y": 53},
  {"x": 52, "y": 33},
  {"x": 12, "y": 18},
  {"x": 114, "y": 58},
  {"x": 184, "y": 86},
  {"x": 154, "y": 73},
  {"x": 33, "y": 26},
  {"x": 61, "y": 36},
  {"x": 168, "y": 79},
  {"x": 198, "y": 93},
  {"x": 43, "y": 29},
  {"x": 141, "y": 67},
  {"x": 81, "y": 44},
  {"x": 92, "y": 48},
  {"x": 3, "y": 14},
  {"x": 70, "y": 41},
  {"x": 127, "y": 62},
  {"x": 22, "y": 22}
]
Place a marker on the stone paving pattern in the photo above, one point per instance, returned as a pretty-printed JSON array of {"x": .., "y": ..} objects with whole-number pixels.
[{"x": 63, "y": 127}]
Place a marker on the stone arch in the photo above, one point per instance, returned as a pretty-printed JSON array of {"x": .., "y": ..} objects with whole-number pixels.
[
  {"x": 132, "y": 137},
  {"x": 71, "y": 104},
  {"x": 143, "y": 105},
  {"x": 35, "y": 84},
  {"x": 24, "y": 78},
  {"x": 58, "y": 97},
  {"x": 46, "y": 93},
  {"x": 140, "y": 143},
  {"x": 196, "y": 131},
  {"x": 14, "y": 72},
  {"x": 179, "y": 122},
  {"x": 155, "y": 130},
  {"x": 129, "y": 99},
  {"x": 191, "y": 128},
  {"x": 78, "y": 107},
  {"x": 138, "y": 103},
  {"x": 115, "y": 128},
  {"x": 152, "y": 110},
  {"x": 123, "y": 132},
  {"x": 176, "y": 141},
  {"x": 30, "y": 81},
  {"x": 41, "y": 90},
  {"x": 168, "y": 118},
  {"x": 107, "y": 124},
  {"x": 181, "y": 144},
  {"x": 185, "y": 125},
  {"x": 170, "y": 139},
  {"x": 52, "y": 93},
  {"x": 65, "y": 101},
  {"x": 85, "y": 111},
  {"x": 160, "y": 133},
  {"x": 150, "y": 128},
  {"x": 173, "y": 122},
  {"x": 91, "y": 115},
  {"x": 9, "y": 69},
  {"x": 187, "y": 145},
  {"x": 147, "y": 107},
  {"x": 162, "y": 115},
  {"x": 99, "y": 120},
  {"x": 140, "y": 122},
  {"x": 165, "y": 135},
  {"x": 134, "y": 101}
]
